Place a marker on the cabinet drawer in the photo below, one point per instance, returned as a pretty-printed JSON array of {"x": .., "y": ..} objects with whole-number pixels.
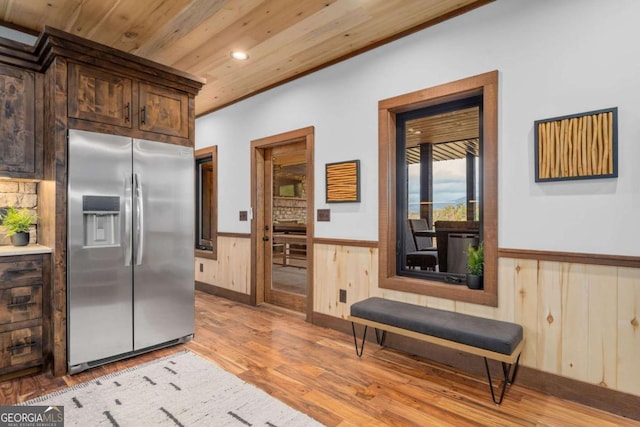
[
  {"x": 21, "y": 271},
  {"x": 20, "y": 303},
  {"x": 20, "y": 349}
]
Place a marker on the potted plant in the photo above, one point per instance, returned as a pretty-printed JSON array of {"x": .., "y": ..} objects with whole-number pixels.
[
  {"x": 475, "y": 267},
  {"x": 17, "y": 223}
]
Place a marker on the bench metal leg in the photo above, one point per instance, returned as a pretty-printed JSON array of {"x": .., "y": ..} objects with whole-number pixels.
[
  {"x": 355, "y": 339},
  {"x": 508, "y": 379},
  {"x": 380, "y": 339}
]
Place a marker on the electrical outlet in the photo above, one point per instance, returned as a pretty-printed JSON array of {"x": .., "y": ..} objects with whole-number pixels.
[
  {"x": 343, "y": 295},
  {"x": 201, "y": 268},
  {"x": 324, "y": 214},
  {"x": 244, "y": 215}
]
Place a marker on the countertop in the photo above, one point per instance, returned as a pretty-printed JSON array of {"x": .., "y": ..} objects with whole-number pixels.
[{"x": 10, "y": 250}]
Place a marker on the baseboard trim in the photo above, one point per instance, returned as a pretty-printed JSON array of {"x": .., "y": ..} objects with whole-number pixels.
[
  {"x": 598, "y": 397},
  {"x": 222, "y": 292}
]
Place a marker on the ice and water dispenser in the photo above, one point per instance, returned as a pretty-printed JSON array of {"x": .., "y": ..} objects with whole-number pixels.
[{"x": 101, "y": 221}]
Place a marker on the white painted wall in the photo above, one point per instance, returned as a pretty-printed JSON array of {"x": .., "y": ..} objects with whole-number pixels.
[{"x": 555, "y": 58}]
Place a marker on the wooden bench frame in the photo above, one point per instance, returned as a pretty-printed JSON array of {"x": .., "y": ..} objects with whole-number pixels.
[{"x": 509, "y": 362}]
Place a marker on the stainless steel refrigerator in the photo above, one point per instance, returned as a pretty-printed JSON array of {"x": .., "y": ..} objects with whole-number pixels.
[{"x": 130, "y": 260}]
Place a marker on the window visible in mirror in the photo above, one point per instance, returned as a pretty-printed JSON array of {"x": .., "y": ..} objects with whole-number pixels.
[
  {"x": 288, "y": 187},
  {"x": 206, "y": 202},
  {"x": 438, "y": 180}
]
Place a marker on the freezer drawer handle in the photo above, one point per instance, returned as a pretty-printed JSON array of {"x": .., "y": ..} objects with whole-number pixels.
[{"x": 17, "y": 347}]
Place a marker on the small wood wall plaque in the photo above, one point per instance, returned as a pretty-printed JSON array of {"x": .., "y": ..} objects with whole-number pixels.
[
  {"x": 343, "y": 182},
  {"x": 579, "y": 146}
]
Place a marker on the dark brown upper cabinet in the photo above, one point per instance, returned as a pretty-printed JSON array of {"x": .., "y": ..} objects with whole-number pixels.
[
  {"x": 164, "y": 110},
  {"x": 21, "y": 147},
  {"x": 99, "y": 96},
  {"x": 104, "y": 97}
]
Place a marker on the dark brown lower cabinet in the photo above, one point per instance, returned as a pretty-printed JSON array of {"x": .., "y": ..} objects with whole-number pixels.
[{"x": 21, "y": 314}]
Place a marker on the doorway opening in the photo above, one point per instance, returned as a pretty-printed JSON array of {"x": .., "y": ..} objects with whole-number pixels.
[{"x": 282, "y": 229}]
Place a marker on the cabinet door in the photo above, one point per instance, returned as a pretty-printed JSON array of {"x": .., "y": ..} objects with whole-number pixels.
[
  {"x": 98, "y": 96},
  {"x": 164, "y": 111},
  {"x": 17, "y": 127}
]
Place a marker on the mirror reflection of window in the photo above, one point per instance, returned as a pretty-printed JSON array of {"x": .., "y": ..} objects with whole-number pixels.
[
  {"x": 205, "y": 203},
  {"x": 288, "y": 186},
  {"x": 439, "y": 179}
]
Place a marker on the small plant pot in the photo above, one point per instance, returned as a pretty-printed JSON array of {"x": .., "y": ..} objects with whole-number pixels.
[
  {"x": 474, "y": 282},
  {"x": 20, "y": 239}
]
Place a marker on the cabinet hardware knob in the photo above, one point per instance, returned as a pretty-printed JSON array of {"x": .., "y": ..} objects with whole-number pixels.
[
  {"x": 127, "y": 115},
  {"x": 143, "y": 118}
]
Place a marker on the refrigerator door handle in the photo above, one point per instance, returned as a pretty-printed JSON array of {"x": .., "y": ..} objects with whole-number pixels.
[
  {"x": 139, "y": 218},
  {"x": 127, "y": 220}
]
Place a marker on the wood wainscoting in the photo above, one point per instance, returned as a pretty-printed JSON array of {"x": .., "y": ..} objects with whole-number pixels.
[
  {"x": 231, "y": 271},
  {"x": 581, "y": 320}
]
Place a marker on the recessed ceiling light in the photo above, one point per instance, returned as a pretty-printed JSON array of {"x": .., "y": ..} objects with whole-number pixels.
[{"x": 239, "y": 55}]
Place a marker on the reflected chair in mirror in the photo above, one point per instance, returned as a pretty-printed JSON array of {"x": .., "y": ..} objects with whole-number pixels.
[
  {"x": 422, "y": 242},
  {"x": 421, "y": 259}
]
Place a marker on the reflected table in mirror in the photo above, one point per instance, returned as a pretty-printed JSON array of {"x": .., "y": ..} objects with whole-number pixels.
[
  {"x": 425, "y": 233},
  {"x": 294, "y": 246}
]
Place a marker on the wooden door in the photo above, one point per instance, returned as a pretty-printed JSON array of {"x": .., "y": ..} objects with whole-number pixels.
[
  {"x": 98, "y": 96},
  {"x": 18, "y": 150},
  {"x": 285, "y": 232},
  {"x": 164, "y": 111}
]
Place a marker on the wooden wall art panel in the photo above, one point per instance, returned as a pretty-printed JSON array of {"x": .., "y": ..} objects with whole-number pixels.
[
  {"x": 579, "y": 146},
  {"x": 343, "y": 182}
]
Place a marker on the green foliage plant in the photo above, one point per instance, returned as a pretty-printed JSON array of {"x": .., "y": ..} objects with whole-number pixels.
[
  {"x": 475, "y": 261},
  {"x": 17, "y": 220}
]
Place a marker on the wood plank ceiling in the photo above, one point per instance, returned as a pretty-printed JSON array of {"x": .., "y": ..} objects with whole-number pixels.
[
  {"x": 453, "y": 135},
  {"x": 285, "y": 39}
]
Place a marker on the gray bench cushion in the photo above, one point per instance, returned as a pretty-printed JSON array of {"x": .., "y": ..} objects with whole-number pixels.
[{"x": 494, "y": 335}]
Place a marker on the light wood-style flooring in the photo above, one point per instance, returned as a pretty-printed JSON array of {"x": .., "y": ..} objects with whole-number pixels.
[{"x": 316, "y": 371}]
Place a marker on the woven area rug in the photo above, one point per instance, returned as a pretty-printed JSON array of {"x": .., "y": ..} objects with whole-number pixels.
[{"x": 179, "y": 390}]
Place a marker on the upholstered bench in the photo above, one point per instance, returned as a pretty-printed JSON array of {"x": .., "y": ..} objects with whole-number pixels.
[{"x": 488, "y": 338}]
